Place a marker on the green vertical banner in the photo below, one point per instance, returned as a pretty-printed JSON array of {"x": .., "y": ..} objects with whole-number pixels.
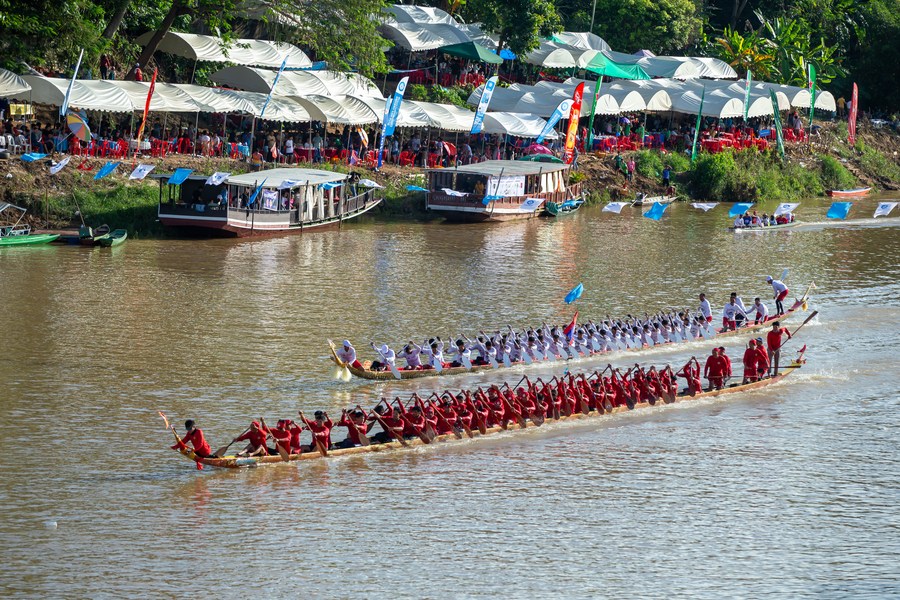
[
  {"x": 776, "y": 115},
  {"x": 697, "y": 128},
  {"x": 747, "y": 94},
  {"x": 589, "y": 144},
  {"x": 812, "y": 93}
]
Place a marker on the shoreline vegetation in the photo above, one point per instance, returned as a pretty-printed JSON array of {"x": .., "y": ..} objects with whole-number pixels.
[{"x": 745, "y": 176}]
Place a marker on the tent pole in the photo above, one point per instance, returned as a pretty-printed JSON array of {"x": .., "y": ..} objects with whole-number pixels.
[
  {"x": 252, "y": 135},
  {"x": 224, "y": 132},
  {"x": 132, "y": 136},
  {"x": 194, "y": 71},
  {"x": 165, "y": 121},
  {"x": 196, "y": 124}
]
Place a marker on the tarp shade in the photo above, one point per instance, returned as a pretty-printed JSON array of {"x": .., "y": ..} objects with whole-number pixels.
[
  {"x": 296, "y": 83},
  {"x": 472, "y": 51},
  {"x": 418, "y": 37},
  {"x": 602, "y": 65},
  {"x": 403, "y": 13},
  {"x": 11, "y": 84},
  {"x": 87, "y": 94},
  {"x": 209, "y": 48}
]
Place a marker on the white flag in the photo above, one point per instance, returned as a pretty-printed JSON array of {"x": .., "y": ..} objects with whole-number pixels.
[
  {"x": 884, "y": 209},
  {"x": 141, "y": 171},
  {"x": 369, "y": 183},
  {"x": 59, "y": 166},
  {"x": 287, "y": 184},
  {"x": 705, "y": 206},
  {"x": 786, "y": 208},
  {"x": 450, "y": 192},
  {"x": 531, "y": 204},
  {"x": 615, "y": 207},
  {"x": 217, "y": 178}
]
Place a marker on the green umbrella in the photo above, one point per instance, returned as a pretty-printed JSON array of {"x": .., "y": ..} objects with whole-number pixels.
[{"x": 472, "y": 51}]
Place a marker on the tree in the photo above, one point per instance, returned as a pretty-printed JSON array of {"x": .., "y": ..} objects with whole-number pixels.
[
  {"x": 519, "y": 24},
  {"x": 744, "y": 53}
]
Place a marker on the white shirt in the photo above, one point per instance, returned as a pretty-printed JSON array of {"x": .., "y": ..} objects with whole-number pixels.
[
  {"x": 778, "y": 286},
  {"x": 705, "y": 308},
  {"x": 348, "y": 355},
  {"x": 761, "y": 310}
]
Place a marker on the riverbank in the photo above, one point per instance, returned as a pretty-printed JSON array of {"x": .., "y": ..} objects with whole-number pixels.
[{"x": 61, "y": 200}]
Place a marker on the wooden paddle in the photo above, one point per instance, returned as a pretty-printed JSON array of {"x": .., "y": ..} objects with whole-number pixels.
[
  {"x": 449, "y": 425},
  {"x": 808, "y": 319},
  {"x": 363, "y": 440},
  {"x": 390, "y": 431},
  {"x": 221, "y": 451},
  {"x": 319, "y": 446},
  {"x": 285, "y": 454}
]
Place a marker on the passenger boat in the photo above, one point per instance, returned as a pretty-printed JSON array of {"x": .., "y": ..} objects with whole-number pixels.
[
  {"x": 367, "y": 373},
  {"x": 765, "y": 227},
  {"x": 854, "y": 193},
  {"x": 498, "y": 190},
  {"x": 569, "y": 207},
  {"x": 20, "y": 235},
  {"x": 285, "y": 200},
  {"x": 235, "y": 462},
  {"x": 115, "y": 238}
]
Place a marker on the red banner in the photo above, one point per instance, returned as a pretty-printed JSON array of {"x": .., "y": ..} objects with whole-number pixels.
[
  {"x": 572, "y": 130},
  {"x": 851, "y": 121},
  {"x": 140, "y": 134}
]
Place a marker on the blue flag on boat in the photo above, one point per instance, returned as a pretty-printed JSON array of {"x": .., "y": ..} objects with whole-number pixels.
[
  {"x": 106, "y": 170},
  {"x": 574, "y": 294},
  {"x": 839, "y": 210},
  {"x": 563, "y": 109},
  {"x": 415, "y": 188},
  {"x": 488, "y": 199},
  {"x": 656, "y": 211},
  {"x": 330, "y": 185},
  {"x": 179, "y": 176},
  {"x": 255, "y": 193},
  {"x": 739, "y": 209}
]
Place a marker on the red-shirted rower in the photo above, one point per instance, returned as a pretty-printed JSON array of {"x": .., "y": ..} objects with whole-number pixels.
[{"x": 194, "y": 437}]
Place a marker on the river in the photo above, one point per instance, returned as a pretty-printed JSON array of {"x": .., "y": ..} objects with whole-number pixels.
[{"x": 790, "y": 491}]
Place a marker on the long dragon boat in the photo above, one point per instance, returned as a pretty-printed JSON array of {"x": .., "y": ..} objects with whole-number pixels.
[
  {"x": 236, "y": 462},
  {"x": 367, "y": 373}
]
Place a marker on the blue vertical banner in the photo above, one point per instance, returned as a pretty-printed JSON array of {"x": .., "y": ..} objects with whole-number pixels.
[
  {"x": 391, "y": 113},
  {"x": 563, "y": 109},
  {"x": 272, "y": 89},
  {"x": 489, "y": 86}
]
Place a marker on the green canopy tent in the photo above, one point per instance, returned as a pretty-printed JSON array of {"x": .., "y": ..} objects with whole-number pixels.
[
  {"x": 472, "y": 51},
  {"x": 601, "y": 65}
]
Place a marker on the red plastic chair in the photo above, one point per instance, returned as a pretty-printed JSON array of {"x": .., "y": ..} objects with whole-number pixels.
[{"x": 407, "y": 158}]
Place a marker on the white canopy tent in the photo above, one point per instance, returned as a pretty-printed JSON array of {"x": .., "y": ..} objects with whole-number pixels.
[
  {"x": 11, "y": 84},
  {"x": 209, "y": 48},
  {"x": 582, "y": 40},
  {"x": 418, "y": 37},
  {"x": 166, "y": 97},
  {"x": 222, "y": 101},
  {"x": 553, "y": 56},
  {"x": 87, "y": 94},
  {"x": 404, "y": 13},
  {"x": 710, "y": 68},
  {"x": 296, "y": 83},
  {"x": 515, "y": 124},
  {"x": 341, "y": 110}
]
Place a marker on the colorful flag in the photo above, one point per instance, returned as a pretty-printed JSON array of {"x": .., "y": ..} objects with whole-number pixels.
[
  {"x": 217, "y": 178},
  {"x": 287, "y": 184},
  {"x": 574, "y": 294},
  {"x": 415, "y": 188},
  {"x": 179, "y": 176},
  {"x": 256, "y": 192},
  {"x": 786, "y": 208},
  {"x": 272, "y": 89},
  {"x": 697, "y": 128},
  {"x": 486, "y": 94},
  {"x": 108, "y": 168},
  {"x": 60, "y": 165},
  {"x": 615, "y": 207},
  {"x": 839, "y": 210},
  {"x": 812, "y": 93},
  {"x": 140, "y": 134},
  {"x": 747, "y": 94},
  {"x": 65, "y": 105},
  {"x": 739, "y": 209},
  {"x": 776, "y": 117},
  {"x": 572, "y": 131},
  {"x": 391, "y": 121},
  {"x": 531, "y": 204},
  {"x": 369, "y": 183},
  {"x": 488, "y": 199},
  {"x": 141, "y": 171},
  {"x": 656, "y": 211},
  {"x": 562, "y": 109},
  {"x": 589, "y": 143},
  {"x": 705, "y": 206},
  {"x": 884, "y": 209},
  {"x": 851, "y": 120},
  {"x": 569, "y": 330},
  {"x": 354, "y": 157}
]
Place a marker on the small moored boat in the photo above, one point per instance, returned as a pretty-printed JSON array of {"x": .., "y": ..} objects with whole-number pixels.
[
  {"x": 20, "y": 235},
  {"x": 88, "y": 236},
  {"x": 854, "y": 193},
  {"x": 642, "y": 200},
  {"x": 766, "y": 227},
  {"x": 552, "y": 209},
  {"x": 114, "y": 238}
]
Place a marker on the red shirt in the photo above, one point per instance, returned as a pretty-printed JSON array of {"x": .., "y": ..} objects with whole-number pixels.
[
  {"x": 762, "y": 359},
  {"x": 773, "y": 338},
  {"x": 353, "y": 429},
  {"x": 196, "y": 439},
  {"x": 321, "y": 431},
  {"x": 750, "y": 358},
  {"x": 257, "y": 437}
]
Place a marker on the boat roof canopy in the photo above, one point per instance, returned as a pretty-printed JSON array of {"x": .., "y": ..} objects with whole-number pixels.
[
  {"x": 275, "y": 177},
  {"x": 507, "y": 167}
]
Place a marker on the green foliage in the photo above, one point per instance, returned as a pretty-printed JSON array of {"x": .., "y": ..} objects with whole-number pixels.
[
  {"x": 453, "y": 95},
  {"x": 576, "y": 177},
  {"x": 648, "y": 163},
  {"x": 749, "y": 176},
  {"x": 41, "y": 32},
  {"x": 711, "y": 173},
  {"x": 519, "y": 24},
  {"x": 835, "y": 176},
  {"x": 678, "y": 161},
  {"x": 877, "y": 164},
  {"x": 745, "y": 53}
]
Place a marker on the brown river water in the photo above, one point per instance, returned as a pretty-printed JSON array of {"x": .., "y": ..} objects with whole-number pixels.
[{"x": 790, "y": 491}]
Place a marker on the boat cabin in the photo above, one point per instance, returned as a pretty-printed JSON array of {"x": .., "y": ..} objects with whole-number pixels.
[
  {"x": 498, "y": 190},
  {"x": 275, "y": 201}
]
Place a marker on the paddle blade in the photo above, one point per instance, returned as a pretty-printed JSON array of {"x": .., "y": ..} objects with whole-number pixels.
[
  {"x": 221, "y": 451},
  {"x": 467, "y": 363},
  {"x": 784, "y": 275},
  {"x": 506, "y": 361},
  {"x": 338, "y": 373},
  {"x": 526, "y": 357},
  {"x": 345, "y": 374},
  {"x": 437, "y": 364},
  {"x": 395, "y": 371}
]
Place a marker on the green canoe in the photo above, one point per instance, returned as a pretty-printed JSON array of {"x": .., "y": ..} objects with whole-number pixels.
[
  {"x": 28, "y": 240},
  {"x": 566, "y": 208},
  {"x": 115, "y": 238}
]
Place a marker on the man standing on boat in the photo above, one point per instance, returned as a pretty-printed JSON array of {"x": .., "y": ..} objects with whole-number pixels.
[
  {"x": 781, "y": 292},
  {"x": 194, "y": 437},
  {"x": 774, "y": 343},
  {"x": 715, "y": 369},
  {"x": 750, "y": 359},
  {"x": 705, "y": 308},
  {"x": 347, "y": 355}
]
